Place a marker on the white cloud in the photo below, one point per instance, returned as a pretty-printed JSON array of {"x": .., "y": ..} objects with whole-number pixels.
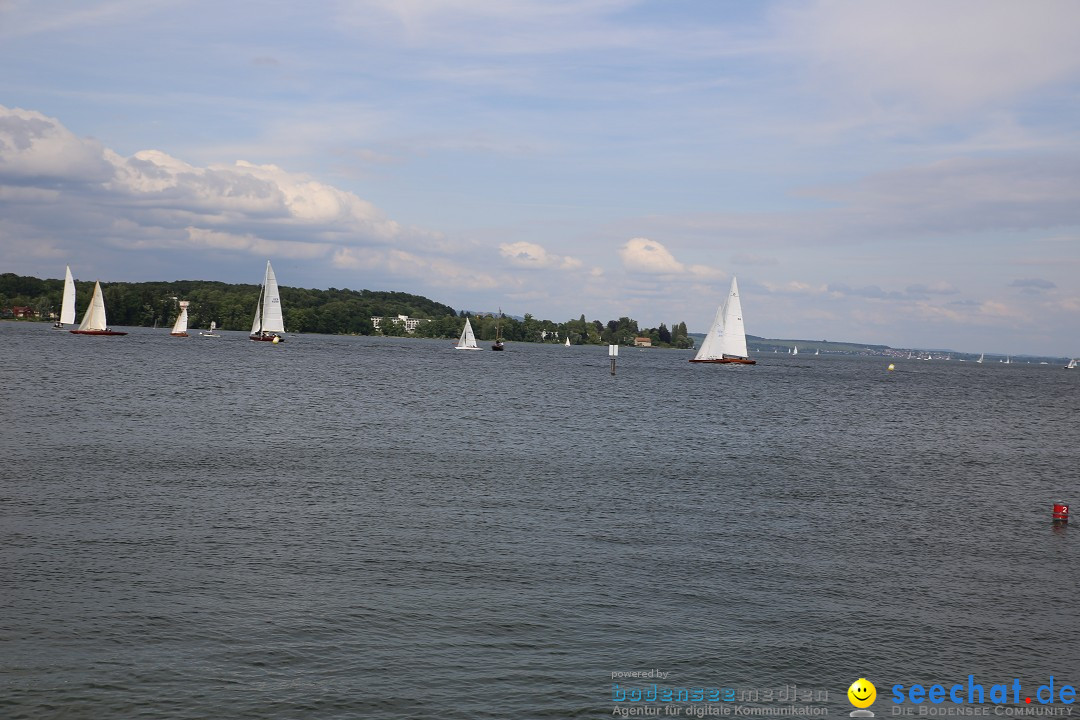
[
  {"x": 651, "y": 257},
  {"x": 531, "y": 255},
  {"x": 34, "y": 146}
]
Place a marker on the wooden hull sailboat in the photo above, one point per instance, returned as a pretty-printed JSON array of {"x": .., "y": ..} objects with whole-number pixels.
[
  {"x": 467, "y": 341},
  {"x": 268, "y": 324},
  {"x": 213, "y": 330},
  {"x": 67, "y": 305},
  {"x": 94, "y": 321},
  {"x": 725, "y": 342},
  {"x": 498, "y": 344},
  {"x": 180, "y": 328}
]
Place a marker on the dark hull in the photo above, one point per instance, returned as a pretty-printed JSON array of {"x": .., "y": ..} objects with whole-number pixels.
[
  {"x": 497, "y": 346},
  {"x": 179, "y": 334},
  {"x": 729, "y": 361},
  {"x": 96, "y": 332},
  {"x": 266, "y": 337}
]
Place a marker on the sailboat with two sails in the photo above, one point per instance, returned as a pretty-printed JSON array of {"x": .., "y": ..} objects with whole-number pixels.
[
  {"x": 726, "y": 340},
  {"x": 94, "y": 321},
  {"x": 268, "y": 325},
  {"x": 179, "y": 328},
  {"x": 467, "y": 341}
]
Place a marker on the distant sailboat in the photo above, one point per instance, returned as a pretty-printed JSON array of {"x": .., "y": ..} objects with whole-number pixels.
[
  {"x": 212, "y": 333},
  {"x": 981, "y": 356},
  {"x": 67, "y": 305},
  {"x": 1071, "y": 365},
  {"x": 498, "y": 344},
  {"x": 726, "y": 339},
  {"x": 467, "y": 341},
  {"x": 268, "y": 323},
  {"x": 567, "y": 343},
  {"x": 94, "y": 321},
  {"x": 795, "y": 350},
  {"x": 818, "y": 351},
  {"x": 179, "y": 329}
]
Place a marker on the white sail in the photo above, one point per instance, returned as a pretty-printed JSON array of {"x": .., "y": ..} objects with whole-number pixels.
[
  {"x": 734, "y": 332},
  {"x": 795, "y": 350},
  {"x": 981, "y": 356},
  {"x": 94, "y": 317},
  {"x": 727, "y": 337},
  {"x": 180, "y": 326},
  {"x": 67, "y": 307},
  {"x": 567, "y": 343},
  {"x": 712, "y": 347},
  {"x": 256, "y": 324},
  {"x": 467, "y": 341},
  {"x": 213, "y": 325},
  {"x": 1072, "y": 364},
  {"x": 271, "y": 304}
]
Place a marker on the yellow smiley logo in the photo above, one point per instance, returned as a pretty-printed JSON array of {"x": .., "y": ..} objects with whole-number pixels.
[{"x": 862, "y": 693}]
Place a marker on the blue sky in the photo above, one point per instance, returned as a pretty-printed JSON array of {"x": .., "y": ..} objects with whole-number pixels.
[{"x": 905, "y": 173}]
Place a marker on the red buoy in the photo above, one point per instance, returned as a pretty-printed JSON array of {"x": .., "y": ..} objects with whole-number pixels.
[{"x": 1061, "y": 512}]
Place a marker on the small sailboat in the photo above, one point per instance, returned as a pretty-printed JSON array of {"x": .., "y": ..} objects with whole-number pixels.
[
  {"x": 467, "y": 341},
  {"x": 1071, "y": 365},
  {"x": 179, "y": 329},
  {"x": 213, "y": 329},
  {"x": 94, "y": 321},
  {"x": 981, "y": 356},
  {"x": 795, "y": 350},
  {"x": 67, "y": 305},
  {"x": 726, "y": 340},
  {"x": 498, "y": 344},
  {"x": 268, "y": 324},
  {"x": 567, "y": 343},
  {"x": 817, "y": 352}
]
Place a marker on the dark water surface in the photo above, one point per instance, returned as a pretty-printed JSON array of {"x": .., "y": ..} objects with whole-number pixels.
[{"x": 389, "y": 528}]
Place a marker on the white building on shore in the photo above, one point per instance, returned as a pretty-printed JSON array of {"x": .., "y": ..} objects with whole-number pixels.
[{"x": 409, "y": 323}]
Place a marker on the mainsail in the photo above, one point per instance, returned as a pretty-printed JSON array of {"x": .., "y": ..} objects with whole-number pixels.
[
  {"x": 67, "y": 307},
  {"x": 94, "y": 318}
]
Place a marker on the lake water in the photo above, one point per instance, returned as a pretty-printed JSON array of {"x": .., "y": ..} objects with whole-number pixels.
[{"x": 347, "y": 527}]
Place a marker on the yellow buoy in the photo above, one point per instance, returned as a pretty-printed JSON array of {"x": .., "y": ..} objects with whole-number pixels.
[
  {"x": 891, "y": 366},
  {"x": 276, "y": 340}
]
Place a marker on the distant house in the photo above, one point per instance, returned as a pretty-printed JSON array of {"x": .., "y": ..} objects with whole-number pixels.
[
  {"x": 22, "y": 312},
  {"x": 410, "y": 323},
  {"x": 642, "y": 342}
]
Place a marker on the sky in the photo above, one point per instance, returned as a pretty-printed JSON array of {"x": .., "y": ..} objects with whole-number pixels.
[{"x": 903, "y": 173}]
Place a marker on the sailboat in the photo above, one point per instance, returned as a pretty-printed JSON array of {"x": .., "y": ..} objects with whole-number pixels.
[
  {"x": 817, "y": 352},
  {"x": 268, "y": 323},
  {"x": 567, "y": 343},
  {"x": 795, "y": 350},
  {"x": 67, "y": 305},
  {"x": 93, "y": 321},
  {"x": 179, "y": 329},
  {"x": 726, "y": 340},
  {"x": 1071, "y": 365},
  {"x": 212, "y": 333},
  {"x": 981, "y": 356},
  {"x": 467, "y": 341},
  {"x": 497, "y": 345}
]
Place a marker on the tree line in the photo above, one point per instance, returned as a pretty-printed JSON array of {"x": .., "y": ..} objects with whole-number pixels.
[{"x": 332, "y": 312}]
